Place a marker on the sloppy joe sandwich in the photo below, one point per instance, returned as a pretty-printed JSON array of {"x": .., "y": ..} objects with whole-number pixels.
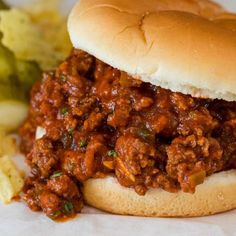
[{"x": 141, "y": 118}]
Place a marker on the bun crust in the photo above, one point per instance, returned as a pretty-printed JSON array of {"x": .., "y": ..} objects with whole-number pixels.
[
  {"x": 217, "y": 194},
  {"x": 187, "y": 46}
]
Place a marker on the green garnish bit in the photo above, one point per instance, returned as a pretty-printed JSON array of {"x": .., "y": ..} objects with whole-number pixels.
[
  {"x": 64, "y": 111},
  {"x": 144, "y": 133},
  {"x": 68, "y": 207},
  {"x": 83, "y": 144},
  {"x": 63, "y": 78},
  {"x": 226, "y": 158},
  {"x": 56, "y": 174},
  {"x": 112, "y": 153},
  {"x": 55, "y": 214},
  {"x": 71, "y": 131}
]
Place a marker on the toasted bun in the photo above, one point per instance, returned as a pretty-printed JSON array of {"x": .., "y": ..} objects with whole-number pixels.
[
  {"x": 187, "y": 46},
  {"x": 217, "y": 194}
]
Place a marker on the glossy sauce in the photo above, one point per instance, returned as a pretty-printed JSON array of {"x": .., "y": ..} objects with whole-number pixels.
[{"x": 101, "y": 121}]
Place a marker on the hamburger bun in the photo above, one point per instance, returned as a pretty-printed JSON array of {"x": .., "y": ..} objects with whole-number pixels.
[
  {"x": 187, "y": 46},
  {"x": 217, "y": 194},
  {"x": 178, "y": 45}
]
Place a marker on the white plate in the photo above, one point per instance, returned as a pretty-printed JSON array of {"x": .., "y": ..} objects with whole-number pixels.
[
  {"x": 16, "y": 219},
  {"x": 228, "y": 4}
]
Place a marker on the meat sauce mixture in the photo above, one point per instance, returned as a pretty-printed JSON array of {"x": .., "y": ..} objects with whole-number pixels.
[{"x": 100, "y": 121}]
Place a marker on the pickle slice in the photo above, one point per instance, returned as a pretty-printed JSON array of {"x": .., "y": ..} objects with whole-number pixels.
[
  {"x": 3, "y": 5},
  {"x": 28, "y": 72},
  {"x": 12, "y": 114},
  {"x": 7, "y": 65},
  {"x": 12, "y": 92}
]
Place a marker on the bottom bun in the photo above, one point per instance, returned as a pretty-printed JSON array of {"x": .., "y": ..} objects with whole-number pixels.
[{"x": 217, "y": 194}]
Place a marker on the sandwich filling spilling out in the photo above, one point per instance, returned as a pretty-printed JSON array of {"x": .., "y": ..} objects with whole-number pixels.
[{"x": 100, "y": 121}]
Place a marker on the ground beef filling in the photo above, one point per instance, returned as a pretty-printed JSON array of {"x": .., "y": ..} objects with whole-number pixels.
[{"x": 101, "y": 121}]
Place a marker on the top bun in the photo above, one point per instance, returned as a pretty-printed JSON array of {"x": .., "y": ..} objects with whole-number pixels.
[{"x": 188, "y": 46}]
